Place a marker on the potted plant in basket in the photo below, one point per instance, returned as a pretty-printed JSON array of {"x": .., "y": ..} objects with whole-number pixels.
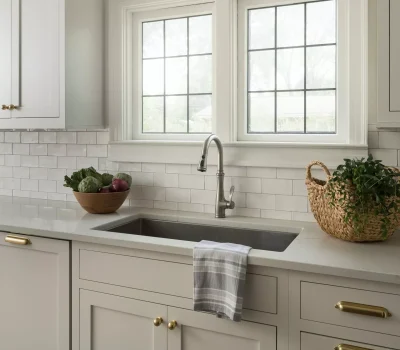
[{"x": 360, "y": 202}]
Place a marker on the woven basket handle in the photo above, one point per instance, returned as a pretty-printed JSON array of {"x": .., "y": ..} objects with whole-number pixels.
[{"x": 322, "y": 165}]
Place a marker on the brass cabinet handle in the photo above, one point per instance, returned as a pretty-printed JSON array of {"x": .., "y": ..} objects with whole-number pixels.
[
  {"x": 17, "y": 240},
  {"x": 349, "y": 347},
  {"x": 4, "y": 107},
  {"x": 172, "y": 325},
  {"x": 362, "y": 309},
  {"x": 157, "y": 321},
  {"x": 12, "y": 107}
]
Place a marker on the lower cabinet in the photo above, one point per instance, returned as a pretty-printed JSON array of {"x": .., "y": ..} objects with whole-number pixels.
[
  {"x": 318, "y": 342},
  {"x": 119, "y": 323},
  {"x": 34, "y": 293}
]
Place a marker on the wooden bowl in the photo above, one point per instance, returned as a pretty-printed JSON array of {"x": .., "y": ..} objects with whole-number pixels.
[{"x": 101, "y": 203}]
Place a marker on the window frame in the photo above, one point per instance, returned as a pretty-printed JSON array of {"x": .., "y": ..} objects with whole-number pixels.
[{"x": 225, "y": 94}]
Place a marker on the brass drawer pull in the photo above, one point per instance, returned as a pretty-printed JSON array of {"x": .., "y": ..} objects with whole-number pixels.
[
  {"x": 362, "y": 309},
  {"x": 17, "y": 240},
  {"x": 349, "y": 347},
  {"x": 172, "y": 325},
  {"x": 5, "y": 107},
  {"x": 157, "y": 321}
]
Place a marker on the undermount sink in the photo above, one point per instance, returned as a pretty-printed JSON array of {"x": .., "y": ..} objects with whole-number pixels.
[{"x": 257, "y": 239}]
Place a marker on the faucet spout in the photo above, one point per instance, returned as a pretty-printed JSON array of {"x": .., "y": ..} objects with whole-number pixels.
[
  {"x": 204, "y": 154},
  {"x": 221, "y": 204}
]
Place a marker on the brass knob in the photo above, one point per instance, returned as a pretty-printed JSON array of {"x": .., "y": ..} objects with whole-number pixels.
[
  {"x": 12, "y": 107},
  {"x": 172, "y": 325},
  {"x": 157, "y": 321},
  {"x": 4, "y": 107}
]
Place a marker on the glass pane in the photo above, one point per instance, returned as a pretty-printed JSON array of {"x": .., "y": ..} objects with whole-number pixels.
[
  {"x": 261, "y": 28},
  {"x": 321, "y": 22},
  {"x": 153, "y": 77},
  {"x": 200, "y": 35},
  {"x": 290, "y": 25},
  {"x": 176, "y": 114},
  {"x": 153, "y": 39},
  {"x": 261, "y": 70},
  {"x": 176, "y": 76},
  {"x": 321, "y": 111},
  {"x": 321, "y": 67},
  {"x": 290, "y": 111},
  {"x": 176, "y": 37},
  {"x": 261, "y": 112},
  {"x": 290, "y": 74},
  {"x": 200, "y": 74},
  {"x": 153, "y": 114},
  {"x": 200, "y": 113}
]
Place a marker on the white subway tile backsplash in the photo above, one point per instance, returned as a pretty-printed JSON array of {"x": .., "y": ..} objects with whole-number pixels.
[
  {"x": 29, "y": 137},
  {"x": 153, "y": 168},
  {"x": 67, "y": 162},
  {"x": 12, "y": 137},
  {"x": 195, "y": 208},
  {"x": 57, "y": 196},
  {"x": 20, "y": 172},
  {"x": 373, "y": 139},
  {"x": 260, "y": 201},
  {"x": 23, "y": 194},
  {"x": 247, "y": 184},
  {"x": 177, "y": 195},
  {"x": 47, "y": 162},
  {"x": 387, "y": 156},
  {"x": 299, "y": 188},
  {"x": 153, "y": 193},
  {"x": 29, "y": 185},
  {"x": 130, "y": 167},
  {"x": 97, "y": 150},
  {"x": 38, "y": 173},
  {"x": 38, "y": 149},
  {"x": 203, "y": 197},
  {"x": 140, "y": 203},
  {"x": 76, "y": 150},
  {"x": 103, "y": 138},
  {"x": 191, "y": 181},
  {"x": 12, "y": 160},
  {"x": 1, "y": 136},
  {"x": 308, "y": 217},
  {"x": 235, "y": 171},
  {"x": 179, "y": 169},
  {"x": 251, "y": 213},
  {"x": 291, "y": 203},
  {"x": 47, "y": 137},
  {"x": 277, "y": 186},
  {"x": 166, "y": 180},
  {"x": 47, "y": 186},
  {"x": 10, "y": 184},
  {"x": 30, "y": 161},
  {"x": 6, "y": 148},
  {"x": 269, "y": 173},
  {"x": 56, "y": 174},
  {"x": 87, "y": 162},
  {"x": 38, "y": 195},
  {"x": 66, "y": 137},
  {"x": 86, "y": 138},
  {"x": 142, "y": 179},
  {"x": 274, "y": 214},
  {"x": 20, "y": 148},
  {"x": 211, "y": 183},
  {"x": 388, "y": 140},
  {"x": 166, "y": 205},
  {"x": 59, "y": 150}
]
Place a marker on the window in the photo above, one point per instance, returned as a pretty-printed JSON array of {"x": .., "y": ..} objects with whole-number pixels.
[
  {"x": 264, "y": 75},
  {"x": 176, "y": 75},
  {"x": 291, "y": 68}
]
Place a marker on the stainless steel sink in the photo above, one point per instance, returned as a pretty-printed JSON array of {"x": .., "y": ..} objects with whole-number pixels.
[{"x": 257, "y": 239}]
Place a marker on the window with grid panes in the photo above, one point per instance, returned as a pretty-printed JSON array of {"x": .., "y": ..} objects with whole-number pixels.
[
  {"x": 177, "y": 75},
  {"x": 291, "y": 69}
]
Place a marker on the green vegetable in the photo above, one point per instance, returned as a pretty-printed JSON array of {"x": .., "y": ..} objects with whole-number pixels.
[
  {"x": 376, "y": 190},
  {"x": 125, "y": 177},
  {"x": 78, "y": 176},
  {"x": 106, "y": 179},
  {"x": 89, "y": 185}
]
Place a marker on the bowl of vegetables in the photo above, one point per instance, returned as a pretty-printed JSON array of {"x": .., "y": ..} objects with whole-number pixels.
[{"x": 99, "y": 193}]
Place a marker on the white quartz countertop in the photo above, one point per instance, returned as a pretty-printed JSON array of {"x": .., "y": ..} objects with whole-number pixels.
[{"x": 312, "y": 251}]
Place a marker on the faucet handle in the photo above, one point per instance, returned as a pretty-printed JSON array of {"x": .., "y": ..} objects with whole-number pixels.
[{"x": 231, "y": 204}]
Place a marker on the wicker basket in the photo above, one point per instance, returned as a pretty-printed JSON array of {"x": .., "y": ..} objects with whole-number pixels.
[{"x": 331, "y": 218}]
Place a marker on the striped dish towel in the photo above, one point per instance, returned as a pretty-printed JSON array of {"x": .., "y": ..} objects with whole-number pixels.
[{"x": 219, "y": 278}]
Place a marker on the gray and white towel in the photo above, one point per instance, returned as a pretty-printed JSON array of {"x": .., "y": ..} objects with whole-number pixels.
[{"x": 219, "y": 278}]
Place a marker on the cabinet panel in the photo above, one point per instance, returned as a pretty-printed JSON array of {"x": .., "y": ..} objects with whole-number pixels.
[
  {"x": 34, "y": 295},
  {"x": 318, "y": 342},
  {"x": 199, "y": 331},
  {"x": 5, "y": 56},
  {"x": 111, "y": 322},
  {"x": 394, "y": 27}
]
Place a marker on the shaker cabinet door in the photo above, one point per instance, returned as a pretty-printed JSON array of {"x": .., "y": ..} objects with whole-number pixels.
[
  {"x": 111, "y": 322},
  {"x": 34, "y": 294},
  {"x": 5, "y": 57}
]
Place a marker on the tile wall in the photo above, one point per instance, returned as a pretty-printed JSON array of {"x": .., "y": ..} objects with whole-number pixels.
[{"x": 33, "y": 164}]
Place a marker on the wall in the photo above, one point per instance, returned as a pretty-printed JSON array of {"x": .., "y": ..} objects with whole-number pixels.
[{"x": 33, "y": 165}]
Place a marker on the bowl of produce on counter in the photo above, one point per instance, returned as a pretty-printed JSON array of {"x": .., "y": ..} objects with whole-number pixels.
[{"x": 99, "y": 193}]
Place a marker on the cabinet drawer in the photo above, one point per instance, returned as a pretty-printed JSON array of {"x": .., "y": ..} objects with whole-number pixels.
[
  {"x": 167, "y": 278},
  {"x": 319, "y": 342},
  {"x": 318, "y": 303}
]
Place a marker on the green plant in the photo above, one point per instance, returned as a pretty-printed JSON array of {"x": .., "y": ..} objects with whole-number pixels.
[{"x": 364, "y": 187}]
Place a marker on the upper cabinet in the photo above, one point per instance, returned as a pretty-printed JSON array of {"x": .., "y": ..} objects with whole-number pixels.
[
  {"x": 388, "y": 45},
  {"x": 52, "y": 64}
]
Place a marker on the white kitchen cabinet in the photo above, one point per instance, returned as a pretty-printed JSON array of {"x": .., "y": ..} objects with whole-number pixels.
[
  {"x": 34, "y": 294},
  {"x": 199, "y": 331},
  {"x": 388, "y": 53},
  {"x": 112, "y": 322},
  {"x": 52, "y": 62}
]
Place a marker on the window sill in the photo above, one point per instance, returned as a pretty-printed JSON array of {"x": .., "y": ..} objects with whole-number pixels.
[{"x": 253, "y": 154}]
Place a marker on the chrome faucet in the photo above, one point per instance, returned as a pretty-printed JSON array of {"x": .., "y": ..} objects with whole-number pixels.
[{"x": 221, "y": 204}]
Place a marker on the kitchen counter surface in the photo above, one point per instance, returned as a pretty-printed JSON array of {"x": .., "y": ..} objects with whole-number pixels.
[{"x": 312, "y": 251}]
